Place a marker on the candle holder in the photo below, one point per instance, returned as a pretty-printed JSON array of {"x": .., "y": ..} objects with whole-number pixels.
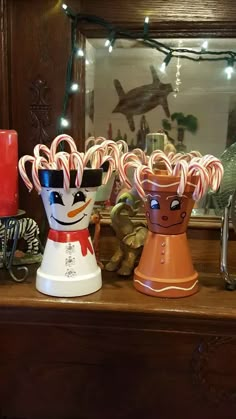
[{"x": 11, "y": 227}]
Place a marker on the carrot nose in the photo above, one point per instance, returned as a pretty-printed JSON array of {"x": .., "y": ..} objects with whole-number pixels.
[{"x": 73, "y": 213}]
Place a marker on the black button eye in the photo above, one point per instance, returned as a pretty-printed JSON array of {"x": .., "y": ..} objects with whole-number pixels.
[
  {"x": 175, "y": 205},
  {"x": 79, "y": 197},
  {"x": 154, "y": 204},
  {"x": 55, "y": 198}
]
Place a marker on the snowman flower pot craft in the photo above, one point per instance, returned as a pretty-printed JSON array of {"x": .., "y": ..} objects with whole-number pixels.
[
  {"x": 169, "y": 186},
  {"x": 68, "y": 190}
]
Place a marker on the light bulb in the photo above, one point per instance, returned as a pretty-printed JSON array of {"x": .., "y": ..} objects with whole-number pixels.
[
  {"x": 229, "y": 70},
  {"x": 146, "y": 20},
  {"x": 166, "y": 62},
  {"x": 87, "y": 61},
  {"x": 64, "y": 6},
  {"x": 74, "y": 87},
  {"x": 64, "y": 122},
  {"x": 205, "y": 45},
  {"x": 80, "y": 52},
  {"x": 163, "y": 67},
  {"x": 110, "y": 48},
  {"x": 107, "y": 43}
]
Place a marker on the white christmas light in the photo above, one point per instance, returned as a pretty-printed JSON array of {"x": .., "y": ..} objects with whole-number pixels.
[
  {"x": 163, "y": 67},
  {"x": 229, "y": 70},
  {"x": 80, "y": 52},
  {"x": 166, "y": 62},
  {"x": 146, "y": 20},
  {"x": 64, "y": 122},
  {"x": 205, "y": 45},
  {"x": 107, "y": 43},
  {"x": 110, "y": 48},
  {"x": 74, "y": 87},
  {"x": 64, "y": 6}
]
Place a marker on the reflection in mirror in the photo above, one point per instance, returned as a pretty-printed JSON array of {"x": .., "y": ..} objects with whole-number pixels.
[{"x": 127, "y": 95}]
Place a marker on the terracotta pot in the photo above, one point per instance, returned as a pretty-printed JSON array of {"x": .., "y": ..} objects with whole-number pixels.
[
  {"x": 165, "y": 268},
  {"x": 69, "y": 266}
]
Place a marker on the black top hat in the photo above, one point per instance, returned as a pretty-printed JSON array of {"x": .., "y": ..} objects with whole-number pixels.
[{"x": 55, "y": 179}]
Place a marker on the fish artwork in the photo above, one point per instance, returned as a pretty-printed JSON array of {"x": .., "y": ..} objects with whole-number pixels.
[{"x": 143, "y": 98}]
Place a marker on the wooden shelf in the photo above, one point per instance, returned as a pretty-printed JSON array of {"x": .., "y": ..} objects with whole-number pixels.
[{"x": 118, "y": 304}]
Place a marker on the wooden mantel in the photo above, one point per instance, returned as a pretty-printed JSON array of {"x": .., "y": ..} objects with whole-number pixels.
[
  {"x": 212, "y": 310},
  {"x": 117, "y": 353}
]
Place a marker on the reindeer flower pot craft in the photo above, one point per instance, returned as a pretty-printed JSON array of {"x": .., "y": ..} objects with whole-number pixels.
[
  {"x": 68, "y": 189},
  {"x": 165, "y": 268}
]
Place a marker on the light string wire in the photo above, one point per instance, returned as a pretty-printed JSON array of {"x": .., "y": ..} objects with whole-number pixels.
[{"x": 142, "y": 37}]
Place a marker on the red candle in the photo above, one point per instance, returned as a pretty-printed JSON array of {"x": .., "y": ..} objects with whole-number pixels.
[{"x": 8, "y": 173}]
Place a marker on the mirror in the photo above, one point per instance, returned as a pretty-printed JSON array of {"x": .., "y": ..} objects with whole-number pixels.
[
  {"x": 205, "y": 93},
  {"x": 193, "y": 102}
]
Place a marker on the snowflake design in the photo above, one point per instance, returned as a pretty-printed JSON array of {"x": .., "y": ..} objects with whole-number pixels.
[
  {"x": 70, "y": 261},
  {"x": 70, "y": 273},
  {"x": 70, "y": 248}
]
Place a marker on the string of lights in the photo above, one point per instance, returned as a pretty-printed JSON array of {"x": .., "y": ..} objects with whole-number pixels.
[{"x": 114, "y": 33}]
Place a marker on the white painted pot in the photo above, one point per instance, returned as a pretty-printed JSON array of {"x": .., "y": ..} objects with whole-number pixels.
[{"x": 69, "y": 267}]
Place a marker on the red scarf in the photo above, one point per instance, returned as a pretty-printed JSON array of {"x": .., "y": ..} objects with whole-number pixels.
[{"x": 81, "y": 236}]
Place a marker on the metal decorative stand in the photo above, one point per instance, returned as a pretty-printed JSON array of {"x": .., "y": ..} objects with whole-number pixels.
[
  {"x": 230, "y": 209},
  {"x": 11, "y": 229}
]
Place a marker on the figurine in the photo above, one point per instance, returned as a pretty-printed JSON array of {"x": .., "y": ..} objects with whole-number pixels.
[
  {"x": 131, "y": 238},
  {"x": 29, "y": 231}
]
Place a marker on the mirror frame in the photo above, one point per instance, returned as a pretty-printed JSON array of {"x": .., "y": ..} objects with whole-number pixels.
[{"x": 209, "y": 19}]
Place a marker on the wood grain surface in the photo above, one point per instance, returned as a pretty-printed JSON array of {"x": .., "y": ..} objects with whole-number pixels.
[{"x": 117, "y": 353}]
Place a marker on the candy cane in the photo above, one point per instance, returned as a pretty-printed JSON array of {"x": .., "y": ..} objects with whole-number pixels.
[
  {"x": 63, "y": 137},
  {"x": 90, "y": 140},
  {"x": 215, "y": 169},
  {"x": 171, "y": 155},
  {"x": 158, "y": 155},
  {"x": 94, "y": 155},
  {"x": 23, "y": 160},
  {"x": 197, "y": 169},
  {"x": 39, "y": 163},
  {"x": 141, "y": 170},
  {"x": 123, "y": 146},
  {"x": 63, "y": 164},
  {"x": 195, "y": 154},
  {"x": 42, "y": 148},
  {"x": 181, "y": 169},
  {"x": 111, "y": 168},
  {"x": 217, "y": 176},
  {"x": 112, "y": 149},
  {"x": 176, "y": 157},
  {"x": 141, "y": 154},
  {"x": 76, "y": 162},
  {"x": 122, "y": 168}
]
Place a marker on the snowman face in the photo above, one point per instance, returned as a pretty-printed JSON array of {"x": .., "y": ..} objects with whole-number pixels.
[{"x": 68, "y": 210}]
